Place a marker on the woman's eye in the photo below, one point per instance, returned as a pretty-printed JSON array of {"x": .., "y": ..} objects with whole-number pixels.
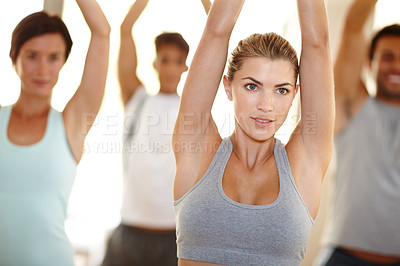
[
  {"x": 282, "y": 91},
  {"x": 32, "y": 56},
  {"x": 53, "y": 58},
  {"x": 251, "y": 87}
]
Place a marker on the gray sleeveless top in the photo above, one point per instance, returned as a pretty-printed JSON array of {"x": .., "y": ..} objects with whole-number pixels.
[
  {"x": 366, "y": 207},
  {"x": 213, "y": 228}
]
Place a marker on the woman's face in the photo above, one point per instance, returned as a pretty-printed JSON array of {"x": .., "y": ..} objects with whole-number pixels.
[
  {"x": 262, "y": 92},
  {"x": 39, "y": 62}
]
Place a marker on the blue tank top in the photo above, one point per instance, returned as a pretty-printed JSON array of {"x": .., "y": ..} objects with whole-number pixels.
[
  {"x": 35, "y": 184},
  {"x": 213, "y": 228}
]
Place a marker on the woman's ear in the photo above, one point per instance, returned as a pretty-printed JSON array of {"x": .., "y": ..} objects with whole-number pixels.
[{"x": 228, "y": 87}]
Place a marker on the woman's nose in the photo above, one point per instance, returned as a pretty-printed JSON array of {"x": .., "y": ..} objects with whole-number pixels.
[
  {"x": 266, "y": 103},
  {"x": 42, "y": 66}
]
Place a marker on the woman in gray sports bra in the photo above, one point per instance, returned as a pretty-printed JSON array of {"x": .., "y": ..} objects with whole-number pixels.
[{"x": 249, "y": 199}]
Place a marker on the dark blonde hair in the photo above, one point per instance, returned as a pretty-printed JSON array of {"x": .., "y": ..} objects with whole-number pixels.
[{"x": 269, "y": 45}]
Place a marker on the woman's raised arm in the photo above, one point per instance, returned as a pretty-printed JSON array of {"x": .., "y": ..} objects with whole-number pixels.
[
  {"x": 316, "y": 84},
  {"x": 86, "y": 101},
  {"x": 194, "y": 124},
  {"x": 206, "y": 70},
  {"x": 310, "y": 147}
]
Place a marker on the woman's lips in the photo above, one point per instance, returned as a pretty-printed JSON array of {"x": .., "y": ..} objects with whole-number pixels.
[{"x": 262, "y": 121}]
